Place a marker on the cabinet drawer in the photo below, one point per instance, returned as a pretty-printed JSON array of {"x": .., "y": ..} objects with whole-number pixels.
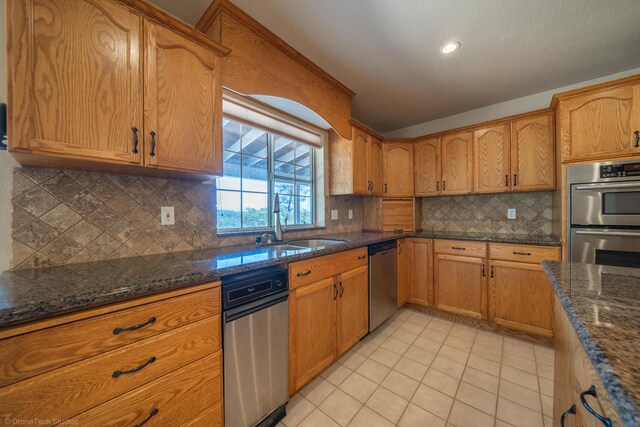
[
  {"x": 523, "y": 253},
  {"x": 174, "y": 399},
  {"x": 460, "y": 247},
  {"x": 314, "y": 269},
  {"x": 67, "y": 391},
  {"x": 30, "y": 354}
]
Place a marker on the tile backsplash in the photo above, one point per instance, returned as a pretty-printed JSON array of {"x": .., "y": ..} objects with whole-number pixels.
[
  {"x": 487, "y": 213},
  {"x": 65, "y": 217}
]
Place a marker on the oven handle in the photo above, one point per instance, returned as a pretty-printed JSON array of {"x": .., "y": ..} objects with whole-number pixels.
[
  {"x": 250, "y": 308},
  {"x": 619, "y": 233},
  {"x": 608, "y": 186}
]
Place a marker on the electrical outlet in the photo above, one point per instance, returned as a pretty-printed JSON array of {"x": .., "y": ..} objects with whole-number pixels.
[
  {"x": 167, "y": 216},
  {"x": 511, "y": 213},
  {"x": 350, "y": 213},
  {"x": 334, "y": 214}
]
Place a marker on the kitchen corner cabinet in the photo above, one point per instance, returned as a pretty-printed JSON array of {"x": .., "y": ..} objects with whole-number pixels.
[
  {"x": 398, "y": 169},
  {"x": 600, "y": 124},
  {"x": 533, "y": 155},
  {"x": 403, "y": 272},
  {"x": 427, "y": 167},
  {"x": 460, "y": 277},
  {"x": 491, "y": 159},
  {"x": 328, "y": 311},
  {"x": 457, "y": 163},
  {"x": 420, "y": 271},
  {"x": 356, "y": 164},
  {"x": 90, "y": 81}
]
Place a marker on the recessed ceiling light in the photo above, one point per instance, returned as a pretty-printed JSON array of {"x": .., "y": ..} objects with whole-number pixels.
[{"x": 450, "y": 47}]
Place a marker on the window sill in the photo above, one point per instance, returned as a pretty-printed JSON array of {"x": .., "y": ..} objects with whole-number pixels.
[{"x": 267, "y": 231}]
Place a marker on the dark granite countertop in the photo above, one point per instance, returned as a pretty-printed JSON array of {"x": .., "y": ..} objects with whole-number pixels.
[
  {"x": 603, "y": 305},
  {"x": 27, "y": 295}
]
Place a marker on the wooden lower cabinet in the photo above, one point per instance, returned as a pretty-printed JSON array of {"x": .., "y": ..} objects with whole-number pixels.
[
  {"x": 168, "y": 368},
  {"x": 420, "y": 259},
  {"x": 461, "y": 285},
  {"x": 403, "y": 271},
  {"x": 520, "y": 297},
  {"x": 326, "y": 318}
]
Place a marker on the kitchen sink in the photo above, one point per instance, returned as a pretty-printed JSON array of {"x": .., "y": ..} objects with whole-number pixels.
[{"x": 317, "y": 243}]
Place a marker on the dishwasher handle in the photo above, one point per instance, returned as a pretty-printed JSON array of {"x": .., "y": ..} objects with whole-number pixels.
[{"x": 250, "y": 308}]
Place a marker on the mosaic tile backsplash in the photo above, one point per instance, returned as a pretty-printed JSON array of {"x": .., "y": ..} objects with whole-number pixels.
[
  {"x": 488, "y": 213},
  {"x": 67, "y": 217}
]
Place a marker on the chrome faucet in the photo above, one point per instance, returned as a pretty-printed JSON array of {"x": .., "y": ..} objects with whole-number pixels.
[{"x": 278, "y": 229}]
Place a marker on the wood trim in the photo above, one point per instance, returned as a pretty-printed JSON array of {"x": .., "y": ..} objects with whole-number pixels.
[
  {"x": 531, "y": 330},
  {"x": 217, "y": 6},
  {"x": 159, "y": 17},
  {"x": 87, "y": 313},
  {"x": 365, "y": 129},
  {"x": 555, "y": 100}
]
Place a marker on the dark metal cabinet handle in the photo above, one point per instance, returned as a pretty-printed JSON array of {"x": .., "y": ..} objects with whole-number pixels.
[
  {"x": 444, "y": 185},
  {"x": 437, "y": 185},
  {"x": 637, "y": 134},
  {"x": 304, "y": 273},
  {"x": 362, "y": 257},
  {"x": 506, "y": 180},
  {"x": 515, "y": 179},
  {"x": 385, "y": 188},
  {"x": 153, "y": 143},
  {"x": 135, "y": 140},
  {"x": 341, "y": 289},
  {"x": 592, "y": 392},
  {"x": 118, "y": 373},
  {"x": 153, "y": 413},
  {"x": 151, "y": 320},
  {"x": 457, "y": 248},
  {"x": 483, "y": 270},
  {"x": 569, "y": 411},
  {"x": 335, "y": 292},
  {"x": 522, "y": 253},
  {"x": 492, "y": 269}
]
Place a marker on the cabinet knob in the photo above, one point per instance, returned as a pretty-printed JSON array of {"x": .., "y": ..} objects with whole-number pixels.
[
  {"x": 135, "y": 140},
  {"x": 637, "y": 134},
  {"x": 152, "y": 414},
  {"x": 153, "y": 144},
  {"x": 515, "y": 179},
  {"x": 592, "y": 392},
  {"x": 506, "y": 180},
  {"x": 568, "y": 412}
]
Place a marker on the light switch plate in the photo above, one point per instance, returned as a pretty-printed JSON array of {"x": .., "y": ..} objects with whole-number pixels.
[
  {"x": 511, "y": 213},
  {"x": 334, "y": 214},
  {"x": 167, "y": 216},
  {"x": 350, "y": 213}
]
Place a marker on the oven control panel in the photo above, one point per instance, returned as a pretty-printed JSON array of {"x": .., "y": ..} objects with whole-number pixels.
[{"x": 620, "y": 170}]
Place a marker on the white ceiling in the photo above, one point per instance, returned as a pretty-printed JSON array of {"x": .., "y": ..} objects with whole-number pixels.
[{"x": 387, "y": 51}]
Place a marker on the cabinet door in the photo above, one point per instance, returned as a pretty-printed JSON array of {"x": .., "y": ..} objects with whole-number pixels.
[
  {"x": 398, "y": 169},
  {"x": 460, "y": 285},
  {"x": 520, "y": 297},
  {"x": 600, "y": 125},
  {"x": 533, "y": 154},
  {"x": 353, "y": 308},
  {"x": 421, "y": 271},
  {"x": 359, "y": 147},
  {"x": 182, "y": 103},
  {"x": 403, "y": 272},
  {"x": 491, "y": 159},
  {"x": 312, "y": 313},
  {"x": 563, "y": 371},
  {"x": 427, "y": 168},
  {"x": 374, "y": 162},
  {"x": 457, "y": 164},
  {"x": 75, "y": 79}
]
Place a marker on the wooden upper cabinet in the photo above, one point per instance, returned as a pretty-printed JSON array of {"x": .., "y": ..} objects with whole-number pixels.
[
  {"x": 427, "y": 167},
  {"x": 600, "y": 124},
  {"x": 359, "y": 143},
  {"x": 76, "y": 89},
  {"x": 183, "y": 117},
  {"x": 491, "y": 159},
  {"x": 457, "y": 163},
  {"x": 374, "y": 165},
  {"x": 533, "y": 153},
  {"x": 398, "y": 169}
]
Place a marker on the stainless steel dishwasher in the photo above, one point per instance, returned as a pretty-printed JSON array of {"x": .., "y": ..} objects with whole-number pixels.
[
  {"x": 383, "y": 282},
  {"x": 255, "y": 347}
]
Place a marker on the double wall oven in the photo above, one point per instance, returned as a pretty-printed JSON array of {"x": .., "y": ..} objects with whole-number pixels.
[{"x": 604, "y": 213}]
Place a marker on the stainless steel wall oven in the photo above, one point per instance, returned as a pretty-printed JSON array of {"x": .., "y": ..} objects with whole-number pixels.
[{"x": 604, "y": 213}]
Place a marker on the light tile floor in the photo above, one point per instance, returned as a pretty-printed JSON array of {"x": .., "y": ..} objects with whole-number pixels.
[{"x": 420, "y": 370}]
